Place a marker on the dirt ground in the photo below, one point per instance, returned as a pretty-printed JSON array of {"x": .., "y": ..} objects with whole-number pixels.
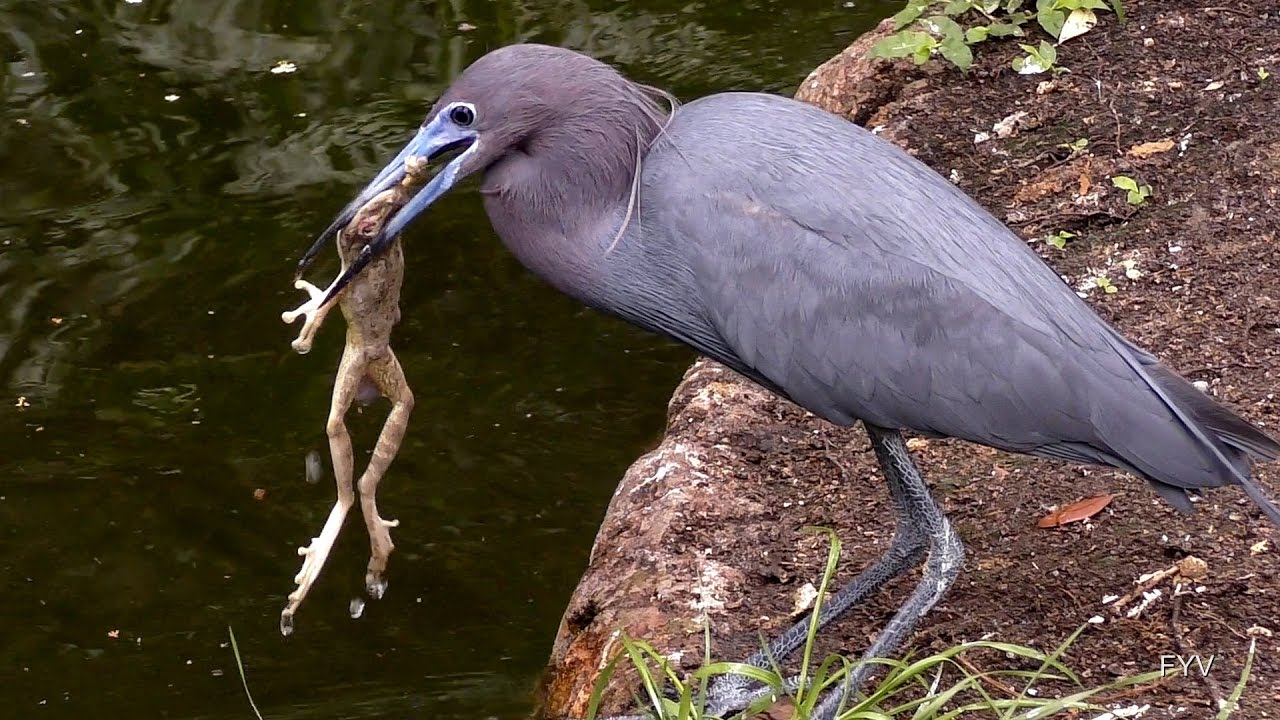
[{"x": 1173, "y": 99}]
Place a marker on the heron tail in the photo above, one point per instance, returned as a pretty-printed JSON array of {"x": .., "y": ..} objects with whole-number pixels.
[
  {"x": 1237, "y": 438},
  {"x": 1227, "y": 438}
]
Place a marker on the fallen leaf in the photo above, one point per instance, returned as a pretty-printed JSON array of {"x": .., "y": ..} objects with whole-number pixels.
[
  {"x": 1037, "y": 189},
  {"x": 1215, "y": 85},
  {"x": 1084, "y": 185},
  {"x": 999, "y": 473},
  {"x": 1079, "y": 22},
  {"x": 259, "y": 493},
  {"x": 917, "y": 443},
  {"x": 1258, "y": 548},
  {"x": 22, "y": 402},
  {"x": 56, "y": 320},
  {"x": 113, "y": 633},
  {"x": 803, "y": 598},
  {"x": 1076, "y": 511},
  {"x": 1006, "y": 127},
  {"x": 1148, "y": 149},
  {"x": 1193, "y": 568}
]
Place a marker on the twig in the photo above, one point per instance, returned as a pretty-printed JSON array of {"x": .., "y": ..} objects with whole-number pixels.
[
  {"x": 1155, "y": 579},
  {"x": 1184, "y": 650},
  {"x": 1001, "y": 686}
]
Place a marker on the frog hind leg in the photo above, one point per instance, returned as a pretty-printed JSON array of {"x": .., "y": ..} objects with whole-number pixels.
[
  {"x": 351, "y": 370},
  {"x": 389, "y": 377}
]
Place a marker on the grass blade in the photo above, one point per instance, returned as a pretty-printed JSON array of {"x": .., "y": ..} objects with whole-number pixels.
[{"x": 235, "y": 650}]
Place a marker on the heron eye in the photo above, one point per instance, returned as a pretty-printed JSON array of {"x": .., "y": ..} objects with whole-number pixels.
[{"x": 462, "y": 116}]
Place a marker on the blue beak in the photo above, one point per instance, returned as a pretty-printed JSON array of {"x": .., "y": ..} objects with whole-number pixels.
[{"x": 431, "y": 141}]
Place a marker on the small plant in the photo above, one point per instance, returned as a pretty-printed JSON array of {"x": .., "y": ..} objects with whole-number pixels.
[
  {"x": 941, "y": 33},
  {"x": 1052, "y": 14},
  {"x": 1038, "y": 60},
  {"x": 1135, "y": 194},
  {"x": 1103, "y": 283},
  {"x": 1263, "y": 73},
  {"x": 1058, "y": 239},
  {"x": 949, "y": 27},
  {"x": 1076, "y": 147}
]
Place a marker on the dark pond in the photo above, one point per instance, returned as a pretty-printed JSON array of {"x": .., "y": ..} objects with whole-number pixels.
[{"x": 157, "y": 182}]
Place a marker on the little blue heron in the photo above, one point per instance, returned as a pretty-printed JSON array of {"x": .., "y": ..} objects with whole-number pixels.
[{"x": 830, "y": 267}]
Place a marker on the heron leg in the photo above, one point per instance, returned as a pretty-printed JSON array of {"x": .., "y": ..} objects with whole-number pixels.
[
  {"x": 350, "y": 371},
  {"x": 387, "y": 374},
  {"x": 946, "y": 556},
  {"x": 732, "y": 693}
]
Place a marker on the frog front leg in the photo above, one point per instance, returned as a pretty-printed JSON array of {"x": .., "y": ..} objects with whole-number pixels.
[
  {"x": 314, "y": 310},
  {"x": 351, "y": 371},
  {"x": 387, "y": 374}
]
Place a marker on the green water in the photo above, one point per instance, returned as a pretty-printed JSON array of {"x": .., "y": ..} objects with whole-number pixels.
[{"x": 157, "y": 183}]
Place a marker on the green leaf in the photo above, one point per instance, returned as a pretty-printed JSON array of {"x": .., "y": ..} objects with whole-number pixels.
[
  {"x": 901, "y": 44},
  {"x": 1052, "y": 21},
  {"x": 1093, "y": 5},
  {"x": 1018, "y": 19},
  {"x": 955, "y": 50},
  {"x": 922, "y": 55},
  {"x": 1118, "y": 6},
  {"x": 1048, "y": 53},
  {"x": 944, "y": 26},
  {"x": 1124, "y": 183},
  {"x": 957, "y": 7},
  {"x": 1001, "y": 29},
  {"x": 913, "y": 10},
  {"x": 976, "y": 34}
]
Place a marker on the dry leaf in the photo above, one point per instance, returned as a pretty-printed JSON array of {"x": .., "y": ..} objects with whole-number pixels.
[
  {"x": 22, "y": 402},
  {"x": 56, "y": 320},
  {"x": 999, "y": 473},
  {"x": 1148, "y": 149},
  {"x": 113, "y": 633},
  {"x": 1215, "y": 85},
  {"x": 259, "y": 493},
  {"x": 917, "y": 443},
  {"x": 1258, "y": 548},
  {"x": 1076, "y": 511},
  {"x": 1084, "y": 185},
  {"x": 803, "y": 598},
  {"x": 1079, "y": 22}
]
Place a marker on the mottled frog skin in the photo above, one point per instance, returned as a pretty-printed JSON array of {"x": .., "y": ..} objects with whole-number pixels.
[{"x": 368, "y": 369}]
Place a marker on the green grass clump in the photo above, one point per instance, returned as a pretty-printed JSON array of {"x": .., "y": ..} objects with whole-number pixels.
[{"x": 914, "y": 689}]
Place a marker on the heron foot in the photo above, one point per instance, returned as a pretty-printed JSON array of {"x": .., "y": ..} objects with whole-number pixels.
[{"x": 314, "y": 310}]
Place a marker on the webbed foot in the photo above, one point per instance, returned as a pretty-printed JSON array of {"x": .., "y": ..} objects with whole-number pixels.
[
  {"x": 313, "y": 558},
  {"x": 380, "y": 552},
  {"x": 313, "y": 309}
]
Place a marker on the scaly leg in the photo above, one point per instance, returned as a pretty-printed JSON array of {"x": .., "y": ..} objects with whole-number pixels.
[
  {"x": 919, "y": 518},
  {"x": 350, "y": 372},
  {"x": 728, "y": 694},
  {"x": 732, "y": 693},
  {"x": 946, "y": 556},
  {"x": 389, "y": 377}
]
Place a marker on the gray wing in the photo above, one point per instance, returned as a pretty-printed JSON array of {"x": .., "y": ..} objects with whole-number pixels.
[{"x": 864, "y": 285}]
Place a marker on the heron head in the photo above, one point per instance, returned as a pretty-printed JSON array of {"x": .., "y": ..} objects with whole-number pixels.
[{"x": 490, "y": 110}]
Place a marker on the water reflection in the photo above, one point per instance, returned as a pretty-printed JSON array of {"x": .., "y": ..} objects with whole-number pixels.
[{"x": 159, "y": 181}]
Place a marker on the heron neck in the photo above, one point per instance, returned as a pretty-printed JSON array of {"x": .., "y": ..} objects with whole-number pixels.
[{"x": 557, "y": 202}]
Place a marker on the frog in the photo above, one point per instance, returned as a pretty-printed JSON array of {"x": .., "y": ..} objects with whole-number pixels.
[{"x": 369, "y": 369}]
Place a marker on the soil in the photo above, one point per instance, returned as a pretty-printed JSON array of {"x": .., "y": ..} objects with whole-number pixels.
[{"x": 1174, "y": 99}]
